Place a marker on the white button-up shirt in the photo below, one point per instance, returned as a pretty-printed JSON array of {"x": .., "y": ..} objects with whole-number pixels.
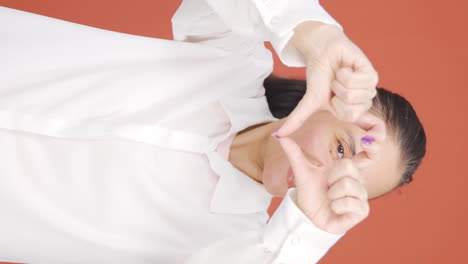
[{"x": 114, "y": 147}]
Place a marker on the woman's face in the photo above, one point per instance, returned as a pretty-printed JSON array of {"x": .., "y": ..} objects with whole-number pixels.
[{"x": 323, "y": 138}]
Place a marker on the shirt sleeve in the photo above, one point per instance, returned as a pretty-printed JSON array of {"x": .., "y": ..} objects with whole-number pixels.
[
  {"x": 288, "y": 238},
  {"x": 294, "y": 237},
  {"x": 235, "y": 24}
]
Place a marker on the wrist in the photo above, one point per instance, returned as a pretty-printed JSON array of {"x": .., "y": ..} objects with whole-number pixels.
[{"x": 311, "y": 38}]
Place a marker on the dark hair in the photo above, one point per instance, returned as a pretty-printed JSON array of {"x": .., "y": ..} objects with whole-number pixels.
[{"x": 283, "y": 94}]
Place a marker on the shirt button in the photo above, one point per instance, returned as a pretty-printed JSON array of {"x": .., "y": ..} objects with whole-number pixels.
[{"x": 275, "y": 20}]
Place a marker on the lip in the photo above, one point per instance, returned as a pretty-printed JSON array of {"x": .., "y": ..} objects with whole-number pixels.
[{"x": 290, "y": 178}]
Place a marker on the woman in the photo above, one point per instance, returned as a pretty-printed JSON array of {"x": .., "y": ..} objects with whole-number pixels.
[
  {"x": 405, "y": 129},
  {"x": 125, "y": 149}
]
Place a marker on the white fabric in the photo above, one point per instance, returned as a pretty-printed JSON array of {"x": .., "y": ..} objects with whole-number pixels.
[{"x": 111, "y": 144}]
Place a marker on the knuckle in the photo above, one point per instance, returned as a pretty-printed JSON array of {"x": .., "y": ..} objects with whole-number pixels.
[
  {"x": 347, "y": 185},
  {"x": 334, "y": 193},
  {"x": 336, "y": 102},
  {"x": 344, "y": 96},
  {"x": 335, "y": 206},
  {"x": 353, "y": 97},
  {"x": 337, "y": 88},
  {"x": 348, "y": 203},
  {"x": 344, "y": 75},
  {"x": 348, "y": 82}
]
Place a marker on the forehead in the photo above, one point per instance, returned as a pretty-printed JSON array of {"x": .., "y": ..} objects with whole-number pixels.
[{"x": 384, "y": 174}]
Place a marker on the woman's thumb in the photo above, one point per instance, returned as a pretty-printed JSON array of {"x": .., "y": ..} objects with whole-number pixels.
[
  {"x": 305, "y": 172},
  {"x": 310, "y": 180}
]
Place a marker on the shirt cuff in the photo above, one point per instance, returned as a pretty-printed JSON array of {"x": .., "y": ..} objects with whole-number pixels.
[
  {"x": 281, "y": 17},
  {"x": 294, "y": 237}
]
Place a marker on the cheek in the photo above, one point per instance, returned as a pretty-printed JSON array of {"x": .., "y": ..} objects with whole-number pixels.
[
  {"x": 316, "y": 144},
  {"x": 372, "y": 183},
  {"x": 384, "y": 174}
]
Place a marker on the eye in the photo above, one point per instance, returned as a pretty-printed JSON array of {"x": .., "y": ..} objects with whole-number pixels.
[{"x": 340, "y": 150}]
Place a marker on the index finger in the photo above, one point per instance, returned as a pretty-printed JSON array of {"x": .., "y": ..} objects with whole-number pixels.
[{"x": 316, "y": 96}]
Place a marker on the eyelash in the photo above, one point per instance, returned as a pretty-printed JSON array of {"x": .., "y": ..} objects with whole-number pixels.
[{"x": 340, "y": 147}]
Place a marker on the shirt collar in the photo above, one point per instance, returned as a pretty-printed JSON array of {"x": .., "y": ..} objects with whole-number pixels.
[{"x": 235, "y": 191}]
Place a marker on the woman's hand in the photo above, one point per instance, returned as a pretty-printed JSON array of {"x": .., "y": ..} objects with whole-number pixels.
[
  {"x": 332, "y": 196},
  {"x": 340, "y": 78}
]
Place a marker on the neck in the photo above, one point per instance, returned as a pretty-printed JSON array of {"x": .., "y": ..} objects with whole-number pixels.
[{"x": 248, "y": 149}]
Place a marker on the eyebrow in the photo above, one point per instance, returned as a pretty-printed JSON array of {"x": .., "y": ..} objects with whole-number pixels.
[{"x": 351, "y": 141}]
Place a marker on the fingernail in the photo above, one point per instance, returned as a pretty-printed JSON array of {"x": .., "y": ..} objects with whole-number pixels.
[
  {"x": 275, "y": 131},
  {"x": 367, "y": 140}
]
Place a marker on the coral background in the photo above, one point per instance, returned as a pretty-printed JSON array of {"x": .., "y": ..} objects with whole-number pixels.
[{"x": 419, "y": 49}]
